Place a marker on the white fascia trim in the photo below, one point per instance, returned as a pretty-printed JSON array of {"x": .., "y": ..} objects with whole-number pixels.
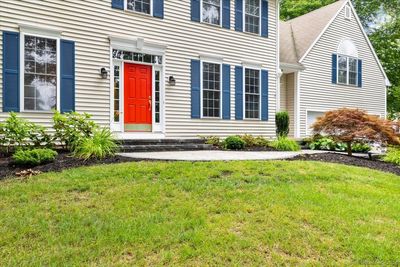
[
  {"x": 291, "y": 67},
  {"x": 36, "y": 29},
  {"x": 211, "y": 58},
  {"x": 137, "y": 45},
  {"x": 252, "y": 64},
  {"x": 323, "y": 31},
  {"x": 387, "y": 81}
]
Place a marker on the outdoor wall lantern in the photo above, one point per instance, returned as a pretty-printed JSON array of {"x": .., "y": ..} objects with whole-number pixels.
[
  {"x": 171, "y": 81},
  {"x": 103, "y": 73}
]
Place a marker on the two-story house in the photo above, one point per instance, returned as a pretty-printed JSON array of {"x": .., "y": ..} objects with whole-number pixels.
[{"x": 144, "y": 68}]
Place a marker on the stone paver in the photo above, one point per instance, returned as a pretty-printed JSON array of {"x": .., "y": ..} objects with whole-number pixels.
[{"x": 213, "y": 155}]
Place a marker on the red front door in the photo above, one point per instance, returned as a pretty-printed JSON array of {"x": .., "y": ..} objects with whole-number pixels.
[{"x": 138, "y": 102}]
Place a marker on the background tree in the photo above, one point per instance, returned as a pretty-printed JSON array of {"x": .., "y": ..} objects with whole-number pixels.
[
  {"x": 381, "y": 20},
  {"x": 354, "y": 125}
]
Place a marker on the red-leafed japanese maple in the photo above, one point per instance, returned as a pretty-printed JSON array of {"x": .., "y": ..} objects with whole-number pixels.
[{"x": 355, "y": 125}]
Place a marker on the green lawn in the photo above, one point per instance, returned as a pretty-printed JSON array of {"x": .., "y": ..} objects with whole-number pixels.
[{"x": 191, "y": 214}]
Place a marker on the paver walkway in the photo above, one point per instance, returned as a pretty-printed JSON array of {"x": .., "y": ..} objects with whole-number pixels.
[{"x": 215, "y": 155}]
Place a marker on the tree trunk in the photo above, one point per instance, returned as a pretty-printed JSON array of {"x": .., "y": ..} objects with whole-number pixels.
[{"x": 349, "y": 149}]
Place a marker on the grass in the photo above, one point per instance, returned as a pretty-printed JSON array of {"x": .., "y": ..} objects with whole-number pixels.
[{"x": 191, "y": 214}]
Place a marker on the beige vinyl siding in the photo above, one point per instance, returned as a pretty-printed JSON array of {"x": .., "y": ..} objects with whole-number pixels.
[
  {"x": 283, "y": 95},
  {"x": 317, "y": 91},
  {"x": 89, "y": 23},
  {"x": 287, "y": 99}
]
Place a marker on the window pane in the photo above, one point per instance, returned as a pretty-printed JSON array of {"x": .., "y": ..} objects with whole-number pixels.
[
  {"x": 40, "y": 73},
  {"x": 116, "y": 93},
  {"x": 211, "y": 11},
  {"x": 211, "y": 90},
  {"x": 252, "y": 16},
  {"x": 252, "y": 93},
  {"x": 157, "y": 94},
  {"x": 342, "y": 70},
  {"x": 139, "y": 6}
]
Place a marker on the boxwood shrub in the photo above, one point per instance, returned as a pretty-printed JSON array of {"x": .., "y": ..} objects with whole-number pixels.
[{"x": 34, "y": 157}]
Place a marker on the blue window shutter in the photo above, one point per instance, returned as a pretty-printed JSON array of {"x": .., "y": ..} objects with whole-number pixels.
[
  {"x": 67, "y": 68},
  {"x": 239, "y": 93},
  {"x": 195, "y": 10},
  {"x": 264, "y": 18},
  {"x": 226, "y": 14},
  {"x": 360, "y": 73},
  {"x": 195, "y": 88},
  {"x": 264, "y": 95},
  {"x": 334, "y": 68},
  {"x": 11, "y": 71},
  {"x": 158, "y": 8},
  {"x": 118, "y": 4},
  {"x": 239, "y": 15},
  {"x": 226, "y": 92}
]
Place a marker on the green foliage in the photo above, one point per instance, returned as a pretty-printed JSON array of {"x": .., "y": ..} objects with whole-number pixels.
[
  {"x": 234, "y": 143},
  {"x": 361, "y": 148},
  {"x": 16, "y": 133},
  {"x": 34, "y": 157},
  {"x": 70, "y": 128},
  {"x": 285, "y": 144},
  {"x": 393, "y": 155},
  {"x": 100, "y": 145},
  {"x": 327, "y": 143},
  {"x": 213, "y": 140},
  {"x": 252, "y": 141},
  {"x": 282, "y": 121}
]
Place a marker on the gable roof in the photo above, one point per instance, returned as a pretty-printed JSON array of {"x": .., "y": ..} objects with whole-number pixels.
[{"x": 299, "y": 34}]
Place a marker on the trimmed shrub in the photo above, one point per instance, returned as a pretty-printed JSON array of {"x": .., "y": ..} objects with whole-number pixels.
[
  {"x": 34, "y": 157},
  {"x": 282, "y": 121},
  {"x": 100, "y": 145},
  {"x": 72, "y": 127},
  {"x": 393, "y": 155},
  {"x": 286, "y": 144},
  {"x": 234, "y": 143}
]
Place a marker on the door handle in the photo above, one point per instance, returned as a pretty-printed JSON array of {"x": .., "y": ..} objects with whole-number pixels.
[{"x": 150, "y": 104}]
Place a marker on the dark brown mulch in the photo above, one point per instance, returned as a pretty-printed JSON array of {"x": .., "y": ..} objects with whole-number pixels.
[
  {"x": 64, "y": 161},
  {"x": 375, "y": 164}
]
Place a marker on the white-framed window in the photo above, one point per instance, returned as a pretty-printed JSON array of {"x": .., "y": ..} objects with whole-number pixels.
[
  {"x": 141, "y": 6},
  {"x": 347, "y": 12},
  {"x": 40, "y": 72},
  {"x": 117, "y": 92},
  {"x": 157, "y": 96},
  {"x": 347, "y": 70},
  {"x": 252, "y": 93},
  {"x": 252, "y": 16},
  {"x": 211, "y": 11},
  {"x": 211, "y": 90}
]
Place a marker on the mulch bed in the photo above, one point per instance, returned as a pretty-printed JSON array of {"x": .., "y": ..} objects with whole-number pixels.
[
  {"x": 63, "y": 161},
  {"x": 375, "y": 164}
]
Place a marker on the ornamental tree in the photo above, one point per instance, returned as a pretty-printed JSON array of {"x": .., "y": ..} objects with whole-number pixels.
[{"x": 354, "y": 125}]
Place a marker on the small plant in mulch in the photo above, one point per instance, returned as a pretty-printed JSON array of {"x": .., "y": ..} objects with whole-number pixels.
[
  {"x": 34, "y": 157},
  {"x": 234, "y": 143},
  {"x": 286, "y": 144}
]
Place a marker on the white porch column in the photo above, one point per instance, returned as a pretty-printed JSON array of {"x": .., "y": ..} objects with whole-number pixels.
[
  {"x": 278, "y": 90},
  {"x": 297, "y": 105}
]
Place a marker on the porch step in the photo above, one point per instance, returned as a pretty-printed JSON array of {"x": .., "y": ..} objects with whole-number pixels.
[{"x": 163, "y": 145}]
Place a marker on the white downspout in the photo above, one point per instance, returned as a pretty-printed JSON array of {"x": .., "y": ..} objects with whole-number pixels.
[{"x": 278, "y": 70}]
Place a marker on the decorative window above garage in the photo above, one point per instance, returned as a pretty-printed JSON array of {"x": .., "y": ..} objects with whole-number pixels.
[{"x": 346, "y": 65}]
